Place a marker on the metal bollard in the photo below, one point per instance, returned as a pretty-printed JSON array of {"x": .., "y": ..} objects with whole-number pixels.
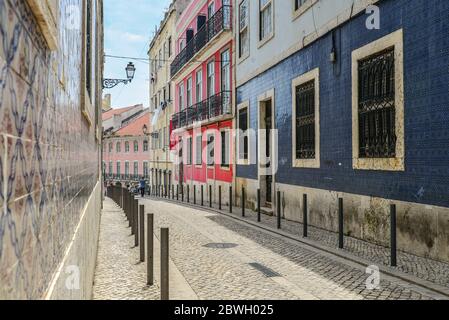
[
  {"x": 188, "y": 193},
  {"x": 177, "y": 192},
  {"x": 165, "y": 294},
  {"x": 304, "y": 215},
  {"x": 230, "y": 199},
  {"x": 182, "y": 193},
  {"x": 142, "y": 233},
  {"x": 194, "y": 194},
  {"x": 278, "y": 205},
  {"x": 136, "y": 223},
  {"x": 340, "y": 224},
  {"x": 219, "y": 198},
  {"x": 210, "y": 196},
  {"x": 202, "y": 195},
  {"x": 259, "y": 216},
  {"x": 243, "y": 202},
  {"x": 393, "y": 237},
  {"x": 150, "y": 250}
]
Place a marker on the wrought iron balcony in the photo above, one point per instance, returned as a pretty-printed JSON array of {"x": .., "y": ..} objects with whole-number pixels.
[
  {"x": 221, "y": 20},
  {"x": 215, "y": 106}
]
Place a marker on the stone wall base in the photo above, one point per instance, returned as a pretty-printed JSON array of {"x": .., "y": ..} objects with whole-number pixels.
[{"x": 422, "y": 230}]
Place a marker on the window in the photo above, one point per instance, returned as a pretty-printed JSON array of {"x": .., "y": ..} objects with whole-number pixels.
[
  {"x": 299, "y": 3},
  {"x": 136, "y": 168},
  {"x": 145, "y": 169},
  {"x": 160, "y": 59},
  {"x": 211, "y": 10},
  {"x": 199, "y": 151},
  {"x": 225, "y": 71},
  {"x": 225, "y": 150},
  {"x": 110, "y": 147},
  {"x": 211, "y": 79},
  {"x": 160, "y": 137},
  {"x": 243, "y": 29},
  {"x": 189, "y": 92},
  {"x": 189, "y": 151},
  {"x": 243, "y": 126},
  {"x": 136, "y": 146},
  {"x": 301, "y": 6},
  {"x": 145, "y": 145},
  {"x": 111, "y": 168},
  {"x": 377, "y": 132},
  {"x": 169, "y": 92},
  {"x": 167, "y": 137},
  {"x": 169, "y": 46},
  {"x": 127, "y": 169},
  {"x": 119, "y": 147},
  {"x": 181, "y": 97},
  {"x": 306, "y": 129},
  {"x": 88, "y": 68},
  {"x": 378, "y": 105},
  {"x": 127, "y": 147},
  {"x": 199, "y": 86},
  {"x": 210, "y": 150},
  {"x": 118, "y": 168},
  {"x": 265, "y": 19}
]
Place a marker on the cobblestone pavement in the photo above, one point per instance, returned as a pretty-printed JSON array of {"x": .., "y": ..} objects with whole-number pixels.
[
  {"x": 222, "y": 258},
  {"x": 425, "y": 269},
  {"x": 119, "y": 275}
]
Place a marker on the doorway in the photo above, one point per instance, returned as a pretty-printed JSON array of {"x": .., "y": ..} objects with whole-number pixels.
[{"x": 266, "y": 149}]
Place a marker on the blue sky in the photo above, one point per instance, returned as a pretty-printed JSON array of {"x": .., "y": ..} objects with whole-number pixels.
[{"x": 129, "y": 27}]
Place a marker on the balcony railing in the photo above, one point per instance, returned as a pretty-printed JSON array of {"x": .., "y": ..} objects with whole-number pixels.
[
  {"x": 220, "y": 21},
  {"x": 215, "y": 106}
]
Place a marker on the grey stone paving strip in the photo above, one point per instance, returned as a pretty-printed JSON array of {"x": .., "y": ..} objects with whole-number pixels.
[
  {"x": 426, "y": 273},
  {"x": 119, "y": 275},
  {"x": 215, "y": 273}
]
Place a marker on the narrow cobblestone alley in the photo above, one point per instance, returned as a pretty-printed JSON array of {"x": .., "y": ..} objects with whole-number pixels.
[{"x": 221, "y": 258}]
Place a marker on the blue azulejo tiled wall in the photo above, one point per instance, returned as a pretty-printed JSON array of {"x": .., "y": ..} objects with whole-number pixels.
[
  {"x": 48, "y": 152},
  {"x": 426, "y": 80}
]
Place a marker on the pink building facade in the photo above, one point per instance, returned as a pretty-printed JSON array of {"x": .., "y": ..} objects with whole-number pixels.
[
  {"x": 126, "y": 152},
  {"x": 203, "y": 75}
]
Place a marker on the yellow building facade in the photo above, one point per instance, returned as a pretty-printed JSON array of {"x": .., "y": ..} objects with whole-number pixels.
[{"x": 161, "y": 53}]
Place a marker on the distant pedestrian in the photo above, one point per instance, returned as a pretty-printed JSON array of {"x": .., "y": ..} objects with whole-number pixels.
[{"x": 143, "y": 184}]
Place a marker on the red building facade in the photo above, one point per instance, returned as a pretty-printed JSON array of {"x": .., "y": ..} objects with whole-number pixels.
[{"x": 203, "y": 75}]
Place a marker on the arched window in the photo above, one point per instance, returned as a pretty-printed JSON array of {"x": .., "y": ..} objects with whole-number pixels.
[
  {"x": 118, "y": 147},
  {"x": 110, "y": 147},
  {"x": 136, "y": 146},
  {"x": 126, "y": 146},
  {"x": 145, "y": 145}
]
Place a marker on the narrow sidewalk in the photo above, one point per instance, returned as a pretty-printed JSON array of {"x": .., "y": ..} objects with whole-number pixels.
[{"x": 119, "y": 274}]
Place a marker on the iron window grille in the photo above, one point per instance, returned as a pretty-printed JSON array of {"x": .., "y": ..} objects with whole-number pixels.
[
  {"x": 305, "y": 121},
  {"x": 376, "y": 106}
]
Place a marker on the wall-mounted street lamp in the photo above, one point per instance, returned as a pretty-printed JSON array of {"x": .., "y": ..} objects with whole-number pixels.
[{"x": 130, "y": 72}]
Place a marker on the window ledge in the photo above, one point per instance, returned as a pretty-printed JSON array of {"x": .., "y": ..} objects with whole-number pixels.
[
  {"x": 302, "y": 9},
  {"x": 383, "y": 164},
  {"x": 265, "y": 40},
  {"x": 306, "y": 163}
]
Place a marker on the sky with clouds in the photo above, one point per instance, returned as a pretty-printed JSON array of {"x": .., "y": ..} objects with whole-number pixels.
[{"x": 129, "y": 27}]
